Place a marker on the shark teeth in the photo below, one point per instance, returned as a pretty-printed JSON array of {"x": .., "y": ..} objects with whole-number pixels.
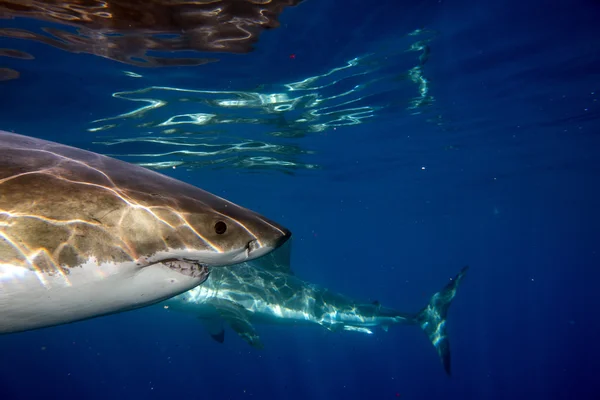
[{"x": 189, "y": 268}]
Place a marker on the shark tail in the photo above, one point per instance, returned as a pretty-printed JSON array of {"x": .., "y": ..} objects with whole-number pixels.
[{"x": 432, "y": 318}]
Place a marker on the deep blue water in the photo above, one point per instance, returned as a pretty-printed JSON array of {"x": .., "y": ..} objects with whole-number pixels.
[{"x": 495, "y": 166}]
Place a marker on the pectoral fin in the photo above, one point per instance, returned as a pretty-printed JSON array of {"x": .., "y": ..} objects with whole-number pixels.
[
  {"x": 214, "y": 327},
  {"x": 244, "y": 328},
  {"x": 238, "y": 319}
]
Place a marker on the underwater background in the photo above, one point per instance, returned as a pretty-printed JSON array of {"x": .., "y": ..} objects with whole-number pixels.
[{"x": 399, "y": 141}]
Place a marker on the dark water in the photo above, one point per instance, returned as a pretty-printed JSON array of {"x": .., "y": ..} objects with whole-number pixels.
[{"x": 399, "y": 141}]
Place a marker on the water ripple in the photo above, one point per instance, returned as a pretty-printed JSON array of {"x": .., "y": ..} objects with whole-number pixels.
[
  {"x": 366, "y": 87},
  {"x": 129, "y": 31}
]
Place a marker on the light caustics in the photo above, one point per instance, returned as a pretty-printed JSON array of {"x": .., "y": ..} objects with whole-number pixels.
[{"x": 199, "y": 128}]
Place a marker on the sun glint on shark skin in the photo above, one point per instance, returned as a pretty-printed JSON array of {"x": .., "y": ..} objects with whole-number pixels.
[{"x": 84, "y": 235}]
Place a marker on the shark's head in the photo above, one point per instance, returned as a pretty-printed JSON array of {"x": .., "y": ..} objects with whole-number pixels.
[
  {"x": 219, "y": 233},
  {"x": 109, "y": 210}
]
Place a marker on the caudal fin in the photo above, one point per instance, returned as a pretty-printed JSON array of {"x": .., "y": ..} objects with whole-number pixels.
[{"x": 432, "y": 318}]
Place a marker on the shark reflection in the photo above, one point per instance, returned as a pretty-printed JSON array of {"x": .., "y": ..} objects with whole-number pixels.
[{"x": 196, "y": 128}]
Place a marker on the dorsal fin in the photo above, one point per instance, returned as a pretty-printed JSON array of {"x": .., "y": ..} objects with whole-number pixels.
[{"x": 278, "y": 260}]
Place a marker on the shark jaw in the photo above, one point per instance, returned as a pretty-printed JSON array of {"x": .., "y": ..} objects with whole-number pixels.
[
  {"x": 208, "y": 258},
  {"x": 188, "y": 268}
]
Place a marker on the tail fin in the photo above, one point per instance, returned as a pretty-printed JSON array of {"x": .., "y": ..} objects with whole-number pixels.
[{"x": 432, "y": 318}]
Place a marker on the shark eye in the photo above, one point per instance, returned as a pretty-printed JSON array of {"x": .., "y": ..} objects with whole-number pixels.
[{"x": 220, "y": 227}]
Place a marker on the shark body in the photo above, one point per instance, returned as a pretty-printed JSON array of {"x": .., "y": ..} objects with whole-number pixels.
[
  {"x": 84, "y": 235},
  {"x": 266, "y": 291}
]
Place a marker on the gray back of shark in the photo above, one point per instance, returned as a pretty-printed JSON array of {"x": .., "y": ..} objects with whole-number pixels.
[
  {"x": 83, "y": 235},
  {"x": 266, "y": 291}
]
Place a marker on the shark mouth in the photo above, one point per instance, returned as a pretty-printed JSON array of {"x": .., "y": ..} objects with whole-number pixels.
[{"x": 189, "y": 268}]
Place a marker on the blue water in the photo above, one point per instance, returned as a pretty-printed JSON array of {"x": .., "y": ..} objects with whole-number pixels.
[{"x": 489, "y": 157}]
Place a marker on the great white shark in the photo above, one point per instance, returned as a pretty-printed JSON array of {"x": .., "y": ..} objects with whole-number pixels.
[
  {"x": 266, "y": 291},
  {"x": 84, "y": 235}
]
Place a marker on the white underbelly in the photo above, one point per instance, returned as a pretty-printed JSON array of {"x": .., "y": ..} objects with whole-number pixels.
[{"x": 30, "y": 299}]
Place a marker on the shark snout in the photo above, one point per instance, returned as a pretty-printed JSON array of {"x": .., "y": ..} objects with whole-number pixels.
[
  {"x": 284, "y": 237},
  {"x": 257, "y": 248}
]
